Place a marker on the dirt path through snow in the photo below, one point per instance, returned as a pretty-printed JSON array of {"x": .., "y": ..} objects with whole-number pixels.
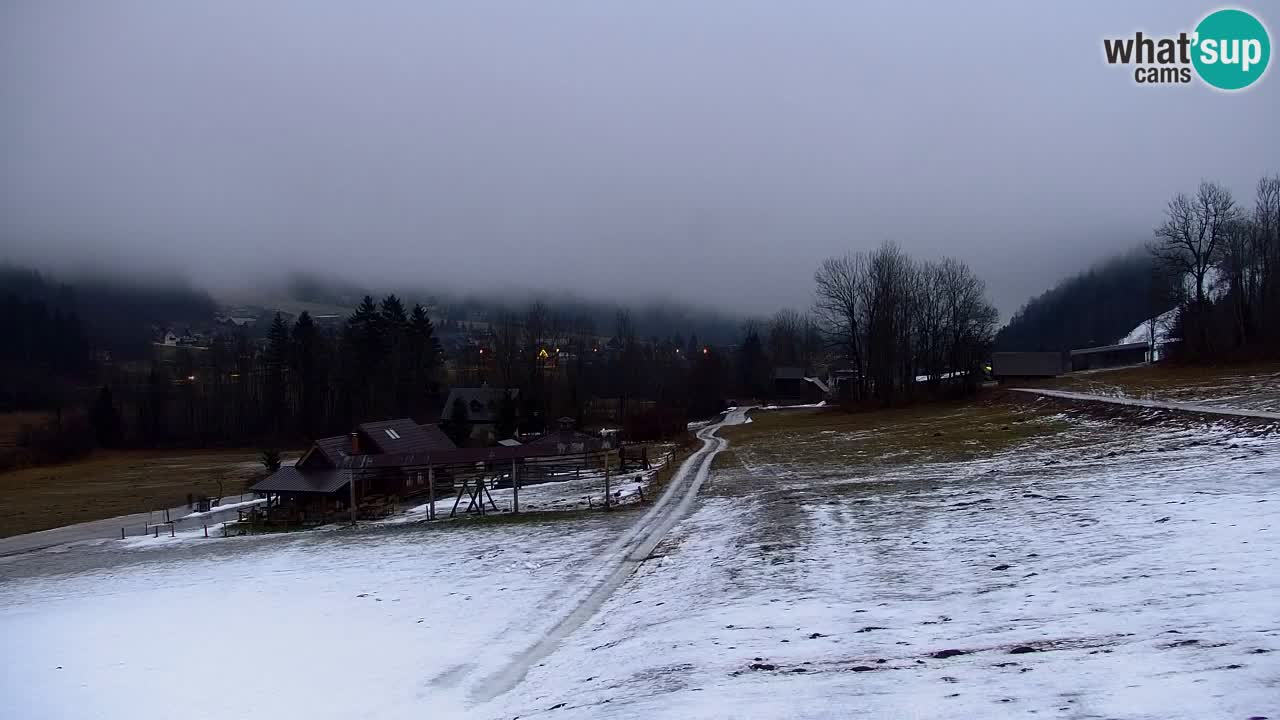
[{"x": 619, "y": 561}]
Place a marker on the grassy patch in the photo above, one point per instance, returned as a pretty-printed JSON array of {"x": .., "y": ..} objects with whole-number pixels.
[
  {"x": 919, "y": 433},
  {"x": 118, "y": 483},
  {"x": 1158, "y": 379}
]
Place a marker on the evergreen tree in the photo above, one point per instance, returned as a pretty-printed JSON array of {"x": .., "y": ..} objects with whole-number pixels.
[
  {"x": 425, "y": 334},
  {"x": 393, "y": 313},
  {"x": 423, "y": 357},
  {"x": 270, "y": 459},
  {"x": 364, "y": 353},
  {"x": 395, "y": 387},
  {"x": 275, "y": 400},
  {"x": 305, "y": 372}
]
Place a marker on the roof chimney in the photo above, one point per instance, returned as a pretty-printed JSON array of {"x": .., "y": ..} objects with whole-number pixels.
[{"x": 355, "y": 443}]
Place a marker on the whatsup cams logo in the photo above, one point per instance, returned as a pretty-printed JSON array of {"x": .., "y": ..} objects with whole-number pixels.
[{"x": 1228, "y": 50}]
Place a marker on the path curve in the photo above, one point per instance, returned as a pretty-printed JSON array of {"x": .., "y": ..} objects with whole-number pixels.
[{"x": 622, "y": 558}]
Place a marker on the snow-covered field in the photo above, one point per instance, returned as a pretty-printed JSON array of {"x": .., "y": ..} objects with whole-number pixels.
[{"x": 1110, "y": 570}]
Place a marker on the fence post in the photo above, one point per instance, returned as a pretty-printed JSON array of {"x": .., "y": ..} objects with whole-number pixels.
[
  {"x": 156, "y": 528},
  {"x": 515, "y": 488},
  {"x": 121, "y": 533},
  {"x": 607, "y": 500},
  {"x": 431, "y": 490},
  {"x": 206, "y": 531}
]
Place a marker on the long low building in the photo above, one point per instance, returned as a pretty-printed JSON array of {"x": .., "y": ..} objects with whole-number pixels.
[{"x": 1106, "y": 356}]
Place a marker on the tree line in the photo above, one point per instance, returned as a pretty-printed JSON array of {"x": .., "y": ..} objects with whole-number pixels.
[
  {"x": 902, "y": 327},
  {"x": 302, "y": 383},
  {"x": 1227, "y": 257}
]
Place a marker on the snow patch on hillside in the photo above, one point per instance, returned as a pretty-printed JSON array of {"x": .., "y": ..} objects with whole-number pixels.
[{"x": 1142, "y": 333}]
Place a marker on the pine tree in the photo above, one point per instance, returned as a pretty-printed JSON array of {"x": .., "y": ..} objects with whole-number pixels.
[
  {"x": 270, "y": 459},
  {"x": 392, "y": 312},
  {"x": 364, "y": 352},
  {"x": 393, "y": 387},
  {"x": 304, "y": 366},
  {"x": 277, "y": 357},
  {"x": 422, "y": 358},
  {"x": 425, "y": 332}
]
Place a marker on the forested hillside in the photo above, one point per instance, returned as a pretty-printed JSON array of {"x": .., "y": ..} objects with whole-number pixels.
[
  {"x": 1095, "y": 307},
  {"x": 117, "y": 315}
]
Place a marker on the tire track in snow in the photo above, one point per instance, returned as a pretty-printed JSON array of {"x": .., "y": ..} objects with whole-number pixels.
[{"x": 621, "y": 559}]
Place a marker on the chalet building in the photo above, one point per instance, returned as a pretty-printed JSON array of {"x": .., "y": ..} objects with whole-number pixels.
[
  {"x": 375, "y": 457},
  {"x": 383, "y": 463}
]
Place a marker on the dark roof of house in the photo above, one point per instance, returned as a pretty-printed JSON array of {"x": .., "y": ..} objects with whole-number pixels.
[
  {"x": 403, "y": 435},
  {"x": 788, "y": 373},
  {"x": 1110, "y": 348},
  {"x": 291, "y": 480},
  {"x": 482, "y": 402},
  {"x": 334, "y": 448}
]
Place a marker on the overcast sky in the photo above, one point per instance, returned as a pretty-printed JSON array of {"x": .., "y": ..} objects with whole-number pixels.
[{"x": 710, "y": 151}]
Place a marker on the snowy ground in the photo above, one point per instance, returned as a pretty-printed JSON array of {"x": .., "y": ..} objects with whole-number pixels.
[
  {"x": 1110, "y": 570},
  {"x": 1123, "y": 572}
]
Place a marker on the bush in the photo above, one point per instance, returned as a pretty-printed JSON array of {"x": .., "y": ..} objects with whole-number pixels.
[{"x": 270, "y": 459}]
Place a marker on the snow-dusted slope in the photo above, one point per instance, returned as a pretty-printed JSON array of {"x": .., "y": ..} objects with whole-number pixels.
[{"x": 1142, "y": 333}]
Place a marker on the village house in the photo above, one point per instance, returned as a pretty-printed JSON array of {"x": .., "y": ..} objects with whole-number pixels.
[{"x": 375, "y": 456}]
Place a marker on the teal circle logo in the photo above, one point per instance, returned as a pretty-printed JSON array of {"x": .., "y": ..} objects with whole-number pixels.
[{"x": 1231, "y": 49}]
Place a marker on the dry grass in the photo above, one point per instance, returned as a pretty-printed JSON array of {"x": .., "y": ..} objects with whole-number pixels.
[
  {"x": 118, "y": 483},
  {"x": 920, "y": 433},
  {"x": 1255, "y": 386},
  {"x": 11, "y": 424}
]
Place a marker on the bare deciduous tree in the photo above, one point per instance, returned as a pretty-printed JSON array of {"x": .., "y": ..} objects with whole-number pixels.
[
  {"x": 837, "y": 305},
  {"x": 1191, "y": 238}
]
